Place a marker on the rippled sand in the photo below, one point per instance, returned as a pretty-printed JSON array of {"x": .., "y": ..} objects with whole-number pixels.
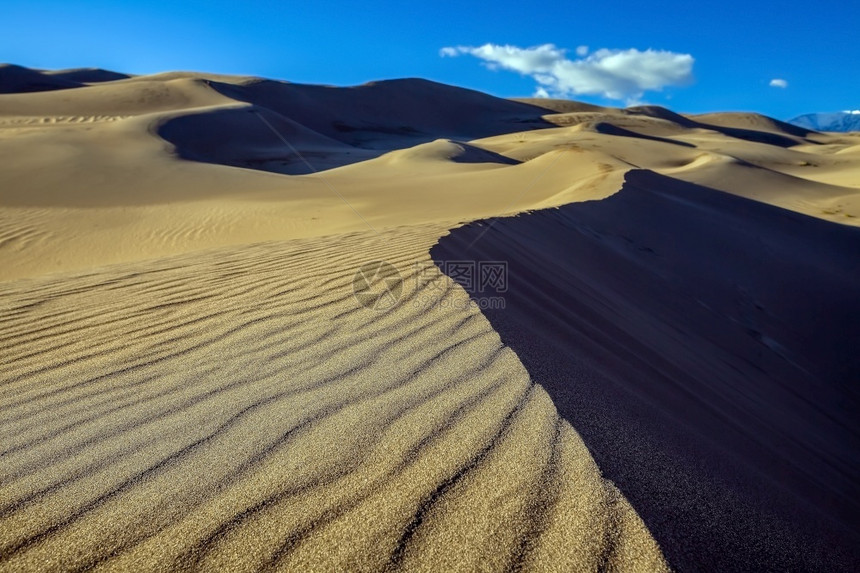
[
  {"x": 187, "y": 381},
  {"x": 237, "y": 410}
]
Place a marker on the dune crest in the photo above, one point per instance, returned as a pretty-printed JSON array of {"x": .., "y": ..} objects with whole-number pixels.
[
  {"x": 255, "y": 417},
  {"x": 191, "y": 383},
  {"x": 708, "y": 344},
  {"x": 185, "y": 161}
]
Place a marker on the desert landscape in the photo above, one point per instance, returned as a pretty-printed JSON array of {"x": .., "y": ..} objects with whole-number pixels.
[{"x": 203, "y": 366}]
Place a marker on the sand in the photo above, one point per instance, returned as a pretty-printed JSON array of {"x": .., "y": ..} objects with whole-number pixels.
[
  {"x": 236, "y": 410},
  {"x": 189, "y": 382},
  {"x": 703, "y": 345}
]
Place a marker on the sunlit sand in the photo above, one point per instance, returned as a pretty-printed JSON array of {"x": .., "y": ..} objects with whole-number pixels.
[{"x": 190, "y": 383}]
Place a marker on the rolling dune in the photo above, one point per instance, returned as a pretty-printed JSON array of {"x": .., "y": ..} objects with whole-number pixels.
[
  {"x": 255, "y": 417},
  {"x": 82, "y": 163},
  {"x": 189, "y": 383},
  {"x": 704, "y": 346}
]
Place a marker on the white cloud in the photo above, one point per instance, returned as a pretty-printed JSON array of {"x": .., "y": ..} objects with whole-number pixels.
[
  {"x": 853, "y": 111},
  {"x": 615, "y": 74},
  {"x": 778, "y": 83},
  {"x": 542, "y": 93}
]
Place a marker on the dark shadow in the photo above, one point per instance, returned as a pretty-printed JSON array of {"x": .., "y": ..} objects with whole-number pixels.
[
  {"x": 610, "y": 129},
  {"x": 258, "y": 139},
  {"x": 659, "y": 112},
  {"x": 18, "y": 79},
  {"x": 88, "y": 75},
  {"x": 315, "y": 128},
  {"x": 705, "y": 348},
  {"x": 390, "y": 114},
  {"x": 474, "y": 154},
  {"x": 751, "y": 135},
  {"x": 262, "y": 139},
  {"x": 788, "y": 128}
]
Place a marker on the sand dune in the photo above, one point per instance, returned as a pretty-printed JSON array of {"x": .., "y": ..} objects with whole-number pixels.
[
  {"x": 253, "y": 416},
  {"x": 122, "y": 98},
  {"x": 259, "y": 139},
  {"x": 720, "y": 333},
  {"x": 754, "y": 121},
  {"x": 390, "y": 114},
  {"x": 112, "y": 152},
  {"x": 87, "y": 75},
  {"x": 189, "y": 382},
  {"x": 17, "y": 79}
]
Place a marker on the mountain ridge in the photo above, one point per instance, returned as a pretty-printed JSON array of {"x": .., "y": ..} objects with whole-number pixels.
[{"x": 842, "y": 121}]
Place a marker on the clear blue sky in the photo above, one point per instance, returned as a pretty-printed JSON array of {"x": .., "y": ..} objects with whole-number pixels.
[{"x": 739, "y": 47}]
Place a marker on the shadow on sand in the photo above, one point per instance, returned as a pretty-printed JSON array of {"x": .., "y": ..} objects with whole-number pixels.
[{"x": 705, "y": 348}]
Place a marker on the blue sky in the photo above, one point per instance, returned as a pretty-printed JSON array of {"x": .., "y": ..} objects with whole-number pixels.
[{"x": 736, "y": 48}]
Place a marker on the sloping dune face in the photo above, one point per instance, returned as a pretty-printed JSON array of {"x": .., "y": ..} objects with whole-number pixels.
[
  {"x": 18, "y": 79},
  {"x": 112, "y": 170},
  {"x": 238, "y": 410},
  {"x": 705, "y": 347},
  {"x": 188, "y": 382}
]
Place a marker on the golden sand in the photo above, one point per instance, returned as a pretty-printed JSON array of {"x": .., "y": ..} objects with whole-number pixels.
[
  {"x": 189, "y": 383},
  {"x": 235, "y": 409}
]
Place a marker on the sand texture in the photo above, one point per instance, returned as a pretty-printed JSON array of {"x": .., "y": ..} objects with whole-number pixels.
[
  {"x": 704, "y": 346},
  {"x": 253, "y": 417},
  {"x": 189, "y": 382}
]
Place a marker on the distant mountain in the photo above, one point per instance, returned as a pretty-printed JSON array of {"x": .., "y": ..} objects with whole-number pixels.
[{"x": 835, "y": 121}]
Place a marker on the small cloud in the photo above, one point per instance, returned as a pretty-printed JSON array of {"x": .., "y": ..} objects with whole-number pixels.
[
  {"x": 542, "y": 93},
  {"x": 615, "y": 74},
  {"x": 853, "y": 111},
  {"x": 778, "y": 83}
]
